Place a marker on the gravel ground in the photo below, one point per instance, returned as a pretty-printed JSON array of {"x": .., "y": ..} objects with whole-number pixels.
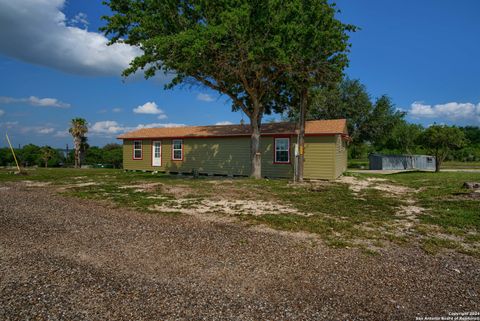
[{"x": 70, "y": 259}]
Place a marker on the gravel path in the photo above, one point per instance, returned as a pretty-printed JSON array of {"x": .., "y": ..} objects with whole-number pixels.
[{"x": 69, "y": 259}]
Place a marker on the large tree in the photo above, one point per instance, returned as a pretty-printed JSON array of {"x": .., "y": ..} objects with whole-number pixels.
[
  {"x": 78, "y": 130},
  {"x": 368, "y": 120},
  {"x": 240, "y": 48},
  {"x": 441, "y": 140},
  {"x": 316, "y": 47}
]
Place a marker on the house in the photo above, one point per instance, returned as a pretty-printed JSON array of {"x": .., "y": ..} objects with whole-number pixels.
[
  {"x": 401, "y": 162},
  {"x": 225, "y": 149}
]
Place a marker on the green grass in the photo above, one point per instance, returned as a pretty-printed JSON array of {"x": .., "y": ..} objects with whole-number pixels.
[
  {"x": 461, "y": 165},
  {"x": 358, "y": 163},
  {"x": 339, "y": 216}
]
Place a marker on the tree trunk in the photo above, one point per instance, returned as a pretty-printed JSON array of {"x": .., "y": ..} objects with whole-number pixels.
[
  {"x": 256, "y": 157},
  {"x": 46, "y": 163},
  {"x": 77, "y": 143},
  {"x": 301, "y": 136},
  {"x": 438, "y": 162}
]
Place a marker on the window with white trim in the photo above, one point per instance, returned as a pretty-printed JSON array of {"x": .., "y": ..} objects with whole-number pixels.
[
  {"x": 177, "y": 149},
  {"x": 282, "y": 150},
  {"x": 137, "y": 149}
]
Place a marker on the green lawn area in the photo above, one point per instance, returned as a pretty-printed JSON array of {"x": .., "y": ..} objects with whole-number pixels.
[
  {"x": 366, "y": 211},
  {"x": 462, "y": 165}
]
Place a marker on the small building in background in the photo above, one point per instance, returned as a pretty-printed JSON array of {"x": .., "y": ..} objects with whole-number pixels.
[{"x": 401, "y": 162}]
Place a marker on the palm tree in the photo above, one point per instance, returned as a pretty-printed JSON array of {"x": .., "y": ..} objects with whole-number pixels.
[
  {"x": 47, "y": 153},
  {"x": 78, "y": 129}
]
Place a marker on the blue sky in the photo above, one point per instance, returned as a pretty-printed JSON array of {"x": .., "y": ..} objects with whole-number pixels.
[{"x": 54, "y": 66}]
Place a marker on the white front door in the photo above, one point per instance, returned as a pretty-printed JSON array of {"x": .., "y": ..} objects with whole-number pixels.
[{"x": 156, "y": 153}]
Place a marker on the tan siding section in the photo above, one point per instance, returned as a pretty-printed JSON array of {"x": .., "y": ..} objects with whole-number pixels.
[{"x": 320, "y": 157}]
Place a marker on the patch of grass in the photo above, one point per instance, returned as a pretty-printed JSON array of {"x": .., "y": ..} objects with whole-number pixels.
[
  {"x": 433, "y": 245},
  {"x": 358, "y": 163},
  {"x": 462, "y": 165},
  {"x": 441, "y": 193}
]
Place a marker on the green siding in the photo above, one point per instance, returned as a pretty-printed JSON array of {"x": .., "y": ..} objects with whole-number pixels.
[
  {"x": 231, "y": 156},
  {"x": 269, "y": 169},
  {"x": 207, "y": 155}
]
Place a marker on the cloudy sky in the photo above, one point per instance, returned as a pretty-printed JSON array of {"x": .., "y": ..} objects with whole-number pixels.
[{"x": 55, "y": 65}]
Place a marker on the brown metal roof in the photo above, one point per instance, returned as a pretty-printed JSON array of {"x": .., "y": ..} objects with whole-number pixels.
[{"x": 313, "y": 127}]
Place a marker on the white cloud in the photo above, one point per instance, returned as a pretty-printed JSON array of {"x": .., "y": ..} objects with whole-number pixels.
[
  {"x": 226, "y": 122},
  {"x": 148, "y": 108},
  {"x": 111, "y": 127},
  {"x": 2, "y": 112},
  {"x": 9, "y": 124},
  {"x": 42, "y": 130},
  {"x": 158, "y": 125},
  {"x": 205, "y": 97},
  {"x": 38, "y": 32},
  {"x": 117, "y": 110},
  {"x": 62, "y": 133},
  {"x": 45, "y": 130},
  {"x": 34, "y": 101},
  {"x": 450, "y": 111},
  {"x": 106, "y": 127}
]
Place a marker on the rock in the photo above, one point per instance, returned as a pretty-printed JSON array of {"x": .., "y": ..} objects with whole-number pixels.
[{"x": 471, "y": 185}]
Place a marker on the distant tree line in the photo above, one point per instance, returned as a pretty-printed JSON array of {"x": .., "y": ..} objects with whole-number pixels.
[
  {"x": 376, "y": 125},
  {"x": 46, "y": 156}
]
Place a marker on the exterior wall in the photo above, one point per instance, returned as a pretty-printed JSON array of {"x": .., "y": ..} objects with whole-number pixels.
[
  {"x": 207, "y": 155},
  {"x": 341, "y": 156},
  {"x": 231, "y": 156},
  {"x": 320, "y": 157},
  {"x": 269, "y": 169}
]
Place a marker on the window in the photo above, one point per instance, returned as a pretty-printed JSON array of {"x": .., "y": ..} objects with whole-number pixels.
[
  {"x": 282, "y": 150},
  {"x": 177, "y": 149},
  {"x": 137, "y": 149}
]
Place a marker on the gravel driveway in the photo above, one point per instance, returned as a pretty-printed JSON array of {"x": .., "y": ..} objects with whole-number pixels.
[{"x": 70, "y": 259}]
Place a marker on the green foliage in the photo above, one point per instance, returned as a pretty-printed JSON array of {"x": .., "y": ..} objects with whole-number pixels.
[
  {"x": 47, "y": 155},
  {"x": 403, "y": 139},
  {"x": 440, "y": 140},
  {"x": 6, "y": 157},
  {"x": 367, "y": 121},
  {"x": 110, "y": 154},
  {"x": 33, "y": 155}
]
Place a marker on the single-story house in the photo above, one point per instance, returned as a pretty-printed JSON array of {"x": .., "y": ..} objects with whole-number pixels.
[
  {"x": 225, "y": 149},
  {"x": 401, "y": 162}
]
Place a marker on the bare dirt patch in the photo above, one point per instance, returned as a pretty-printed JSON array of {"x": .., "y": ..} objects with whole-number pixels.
[
  {"x": 142, "y": 187},
  {"x": 357, "y": 185},
  {"x": 228, "y": 207},
  {"x": 36, "y": 184}
]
